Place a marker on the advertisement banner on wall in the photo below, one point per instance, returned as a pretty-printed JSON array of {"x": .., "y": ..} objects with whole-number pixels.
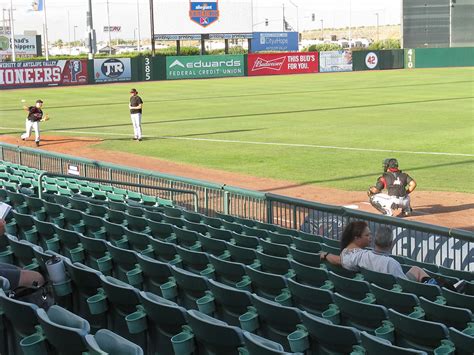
[
  {"x": 113, "y": 69},
  {"x": 335, "y": 61},
  {"x": 209, "y": 66},
  {"x": 378, "y": 60},
  {"x": 24, "y": 46},
  {"x": 45, "y": 73},
  {"x": 282, "y": 63},
  {"x": 275, "y": 41}
]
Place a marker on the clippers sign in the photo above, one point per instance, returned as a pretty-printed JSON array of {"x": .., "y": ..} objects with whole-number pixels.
[
  {"x": 282, "y": 63},
  {"x": 109, "y": 70},
  {"x": 204, "y": 13},
  {"x": 51, "y": 73}
]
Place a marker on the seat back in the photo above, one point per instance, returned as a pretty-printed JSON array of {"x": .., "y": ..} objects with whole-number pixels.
[
  {"x": 380, "y": 279},
  {"x": 256, "y": 345},
  {"x": 227, "y": 272},
  {"x": 190, "y": 287},
  {"x": 110, "y": 343},
  {"x": 374, "y": 345},
  {"x": 463, "y": 342},
  {"x": 311, "y": 299},
  {"x": 400, "y": 301},
  {"x": 351, "y": 288},
  {"x": 155, "y": 273},
  {"x": 430, "y": 292},
  {"x": 265, "y": 284},
  {"x": 449, "y": 316},
  {"x": 308, "y": 275}
]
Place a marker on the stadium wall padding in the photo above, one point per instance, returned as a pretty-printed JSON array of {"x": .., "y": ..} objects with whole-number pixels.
[
  {"x": 378, "y": 60},
  {"x": 441, "y": 57}
]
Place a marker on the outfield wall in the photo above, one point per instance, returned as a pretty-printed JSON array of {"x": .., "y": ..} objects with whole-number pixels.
[{"x": 30, "y": 74}]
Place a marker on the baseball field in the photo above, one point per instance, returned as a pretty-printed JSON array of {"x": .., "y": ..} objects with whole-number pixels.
[{"x": 331, "y": 130}]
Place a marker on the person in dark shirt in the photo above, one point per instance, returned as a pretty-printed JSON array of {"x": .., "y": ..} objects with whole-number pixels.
[
  {"x": 135, "y": 107},
  {"x": 35, "y": 115},
  {"x": 398, "y": 185}
]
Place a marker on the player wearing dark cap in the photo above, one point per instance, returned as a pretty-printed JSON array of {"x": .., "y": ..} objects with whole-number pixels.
[
  {"x": 135, "y": 107},
  {"x": 35, "y": 115},
  {"x": 398, "y": 185}
]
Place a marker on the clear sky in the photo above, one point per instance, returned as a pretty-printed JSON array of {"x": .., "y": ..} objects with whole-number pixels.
[{"x": 68, "y": 16}]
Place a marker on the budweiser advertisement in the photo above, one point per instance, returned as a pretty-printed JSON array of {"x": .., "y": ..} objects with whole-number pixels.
[
  {"x": 43, "y": 73},
  {"x": 282, "y": 63}
]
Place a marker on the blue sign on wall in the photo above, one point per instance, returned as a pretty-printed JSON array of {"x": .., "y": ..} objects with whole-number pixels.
[{"x": 275, "y": 41}]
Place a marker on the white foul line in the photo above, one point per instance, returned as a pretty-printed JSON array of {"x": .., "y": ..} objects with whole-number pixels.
[{"x": 265, "y": 143}]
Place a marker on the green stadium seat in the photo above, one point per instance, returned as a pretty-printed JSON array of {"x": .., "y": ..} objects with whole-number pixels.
[
  {"x": 154, "y": 273},
  {"x": 196, "y": 227},
  {"x": 137, "y": 224},
  {"x": 232, "y": 227},
  {"x": 306, "y": 245},
  {"x": 47, "y": 236},
  {"x": 96, "y": 227},
  {"x": 227, "y": 272},
  {"x": 271, "y": 320},
  {"x": 173, "y": 211},
  {"x": 85, "y": 283},
  {"x": 225, "y": 302},
  {"x": 221, "y": 234},
  {"x": 212, "y": 222},
  {"x": 278, "y": 238},
  {"x": 185, "y": 288},
  {"x": 360, "y": 315},
  {"x": 427, "y": 266},
  {"x": 245, "y": 241},
  {"x": 253, "y": 232},
  {"x": 210, "y": 335},
  {"x": 380, "y": 279},
  {"x": 355, "y": 289},
  {"x": 74, "y": 219},
  {"x": 212, "y": 246},
  {"x": 462, "y": 275},
  {"x": 80, "y": 204},
  {"x": 374, "y": 345},
  {"x": 225, "y": 217},
  {"x": 455, "y": 299},
  {"x": 18, "y": 202},
  {"x": 287, "y": 231},
  {"x": 107, "y": 342},
  {"x": 112, "y": 232},
  {"x": 193, "y": 217},
  {"x": 195, "y": 261},
  {"x": 306, "y": 258},
  {"x": 96, "y": 254},
  {"x": 134, "y": 196},
  {"x": 463, "y": 341},
  {"x": 256, "y": 345},
  {"x": 25, "y": 226},
  {"x": 324, "y": 337},
  {"x": 430, "y": 292},
  {"x": 242, "y": 255},
  {"x": 400, "y": 301},
  {"x": 165, "y": 252},
  {"x": 21, "y": 322},
  {"x": 64, "y": 330},
  {"x": 264, "y": 226},
  {"x": 274, "y": 249},
  {"x": 416, "y": 333},
  {"x": 273, "y": 264},
  {"x": 339, "y": 270},
  {"x": 186, "y": 238},
  {"x": 117, "y": 299},
  {"x": 136, "y": 211},
  {"x": 330, "y": 249},
  {"x": 23, "y": 254},
  {"x": 310, "y": 276},
  {"x": 311, "y": 299},
  {"x": 449, "y": 316},
  {"x": 160, "y": 230},
  {"x": 98, "y": 210},
  {"x": 117, "y": 217},
  {"x": 139, "y": 242},
  {"x": 125, "y": 265},
  {"x": 262, "y": 283},
  {"x": 164, "y": 319}
]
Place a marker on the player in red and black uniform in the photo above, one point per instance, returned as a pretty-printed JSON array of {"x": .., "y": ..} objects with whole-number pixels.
[
  {"x": 398, "y": 185},
  {"x": 35, "y": 115}
]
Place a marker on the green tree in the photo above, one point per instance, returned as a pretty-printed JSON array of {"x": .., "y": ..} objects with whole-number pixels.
[
  {"x": 323, "y": 47},
  {"x": 385, "y": 44}
]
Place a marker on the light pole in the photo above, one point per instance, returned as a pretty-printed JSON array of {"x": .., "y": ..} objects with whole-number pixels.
[
  {"x": 377, "y": 14},
  {"x": 322, "y": 29},
  {"x": 297, "y": 17},
  {"x": 138, "y": 29},
  {"x": 108, "y": 24},
  {"x": 75, "y": 33},
  {"x": 12, "y": 32},
  {"x": 350, "y": 23}
]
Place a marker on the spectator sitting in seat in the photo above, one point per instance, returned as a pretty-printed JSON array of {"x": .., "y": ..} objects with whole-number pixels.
[
  {"x": 357, "y": 236},
  {"x": 16, "y": 276}
]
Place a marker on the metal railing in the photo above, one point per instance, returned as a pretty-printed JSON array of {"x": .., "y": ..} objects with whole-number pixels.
[{"x": 419, "y": 241}]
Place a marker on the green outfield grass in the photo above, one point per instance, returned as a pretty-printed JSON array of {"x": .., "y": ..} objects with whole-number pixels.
[{"x": 216, "y": 123}]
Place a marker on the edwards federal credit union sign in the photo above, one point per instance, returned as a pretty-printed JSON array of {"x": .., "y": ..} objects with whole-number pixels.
[{"x": 210, "y": 66}]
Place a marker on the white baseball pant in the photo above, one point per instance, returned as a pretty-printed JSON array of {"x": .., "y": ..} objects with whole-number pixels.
[
  {"x": 29, "y": 126},
  {"x": 386, "y": 204},
  {"x": 137, "y": 124}
]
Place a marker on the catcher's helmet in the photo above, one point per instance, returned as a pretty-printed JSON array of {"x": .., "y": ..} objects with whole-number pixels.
[{"x": 390, "y": 163}]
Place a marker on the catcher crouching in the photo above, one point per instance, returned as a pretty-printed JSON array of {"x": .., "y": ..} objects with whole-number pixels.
[{"x": 399, "y": 186}]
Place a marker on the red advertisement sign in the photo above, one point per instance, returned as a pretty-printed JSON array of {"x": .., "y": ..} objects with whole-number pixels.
[
  {"x": 282, "y": 63},
  {"x": 43, "y": 73}
]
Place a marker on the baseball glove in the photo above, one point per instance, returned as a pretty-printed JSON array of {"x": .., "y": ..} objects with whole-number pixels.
[{"x": 45, "y": 118}]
